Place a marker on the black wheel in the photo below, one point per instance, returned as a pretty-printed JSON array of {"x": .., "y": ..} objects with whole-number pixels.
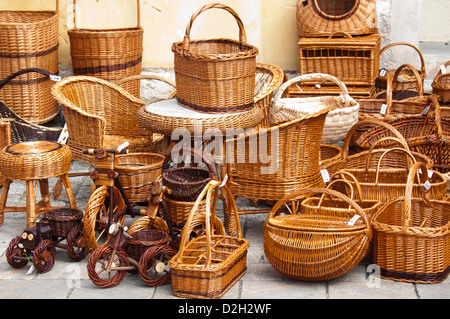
[
  {"x": 153, "y": 267},
  {"x": 44, "y": 256},
  {"x": 13, "y": 251},
  {"x": 99, "y": 260},
  {"x": 76, "y": 244}
]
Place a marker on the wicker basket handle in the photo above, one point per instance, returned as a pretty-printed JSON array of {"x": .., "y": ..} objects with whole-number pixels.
[
  {"x": 340, "y": 33},
  {"x": 23, "y": 71},
  {"x": 392, "y": 84},
  {"x": 408, "y": 154},
  {"x": 342, "y": 177},
  {"x": 422, "y": 60},
  {"x": 402, "y": 142},
  {"x": 242, "y": 35},
  {"x": 302, "y": 193},
  {"x": 194, "y": 152},
  {"x": 420, "y": 170},
  {"x": 276, "y": 103},
  {"x": 75, "y": 13}
]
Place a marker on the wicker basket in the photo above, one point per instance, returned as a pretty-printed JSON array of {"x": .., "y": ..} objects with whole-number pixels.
[
  {"x": 209, "y": 265},
  {"x": 353, "y": 60},
  {"x": 408, "y": 79},
  {"x": 137, "y": 172},
  {"x": 30, "y": 39},
  {"x": 337, "y": 244},
  {"x": 179, "y": 210},
  {"x": 317, "y": 18},
  {"x": 63, "y": 220},
  {"x": 186, "y": 183},
  {"x": 429, "y": 135},
  {"x": 338, "y": 121},
  {"x": 412, "y": 236},
  {"x": 109, "y": 54},
  {"x": 143, "y": 239},
  {"x": 441, "y": 86},
  {"x": 217, "y": 75}
]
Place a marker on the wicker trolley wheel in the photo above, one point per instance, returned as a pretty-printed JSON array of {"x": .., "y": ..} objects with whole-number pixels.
[
  {"x": 76, "y": 245},
  {"x": 14, "y": 250},
  {"x": 153, "y": 267},
  {"x": 96, "y": 210},
  {"x": 97, "y": 263},
  {"x": 44, "y": 256}
]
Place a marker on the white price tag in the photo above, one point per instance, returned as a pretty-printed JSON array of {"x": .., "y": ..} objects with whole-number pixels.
[
  {"x": 353, "y": 220},
  {"x": 382, "y": 72},
  {"x": 325, "y": 175},
  {"x": 224, "y": 181},
  {"x": 426, "y": 110},
  {"x": 427, "y": 185},
  {"x": 443, "y": 69},
  {"x": 318, "y": 86},
  {"x": 430, "y": 174},
  {"x": 55, "y": 78},
  {"x": 383, "y": 109},
  {"x": 122, "y": 146}
]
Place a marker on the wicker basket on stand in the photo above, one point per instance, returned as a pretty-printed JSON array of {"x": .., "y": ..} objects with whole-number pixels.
[
  {"x": 217, "y": 75},
  {"x": 30, "y": 39},
  {"x": 339, "y": 242},
  {"x": 338, "y": 121},
  {"x": 412, "y": 235},
  {"x": 109, "y": 54},
  {"x": 209, "y": 265},
  {"x": 317, "y": 18},
  {"x": 407, "y": 78}
]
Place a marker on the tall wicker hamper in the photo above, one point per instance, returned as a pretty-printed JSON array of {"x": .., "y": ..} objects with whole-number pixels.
[
  {"x": 324, "y": 17},
  {"x": 412, "y": 236},
  {"x": 209, "y": 265},
  {"x": 29, "y": 39},
  {"x": 109, "y": 54},
  {"x": 216, "y": 75},
  {"x": 352, "y": 59}
]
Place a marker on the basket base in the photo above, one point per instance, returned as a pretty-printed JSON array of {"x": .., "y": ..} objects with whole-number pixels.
[{"x": 421, "y": 278}]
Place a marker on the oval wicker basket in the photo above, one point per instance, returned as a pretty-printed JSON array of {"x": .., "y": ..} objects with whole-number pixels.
[
  {"x": 338, "y": 245},
  {"x": 338, "y": 121},
  {"x": 217, "y": 75},
  {"x": 317, "y": 18}
]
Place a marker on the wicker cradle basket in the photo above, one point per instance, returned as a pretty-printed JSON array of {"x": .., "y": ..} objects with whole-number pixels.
[
  {"x": 137, "y": 172},
  {"x": 408, "y": 79},
  {"x": 209, "y": 265},
  {"x": 217, "y": 75},
  {"x": 338, "y": 121},
  {"x": 317, "y": 18},
  {"x": 29, "y": 39},
  {"x": 315, "y": 247},
  {"x": 412, "y": 236},
  {"x": 109, "y": 54}
]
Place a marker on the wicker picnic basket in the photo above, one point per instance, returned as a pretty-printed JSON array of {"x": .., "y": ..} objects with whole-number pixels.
[
  {"x": 29, "y": 39},
  {"x": 137, "y": 172},
  {"x": 216, "y": 75},
  {"x": 338, "y": 121},
  {"x": 412, "y": 235},
  {"x": 63, "y": 220},
  {"x": 441, "y": 87},
  {"x": 316, "y": 246},
  {"x": 317, "y": 18},
  {"x": 429, "y": 135},
  {"x": 352, "y": 59},
  {"x": 209, "y": 265},
  {"x": 407, "y": 79},
  {"x": 109, "y": 54}
]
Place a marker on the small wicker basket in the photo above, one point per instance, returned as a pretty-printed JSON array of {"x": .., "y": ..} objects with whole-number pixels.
[
  {"x": 143, "y": 239},
  {"x": 63, "y": 220},
  {"x": 441, "y": 87}
]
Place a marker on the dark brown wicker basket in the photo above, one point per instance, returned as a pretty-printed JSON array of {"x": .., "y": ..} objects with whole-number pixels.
[
  {"x": 63, "y": 220},
  {"x": 144, "y": 239}
]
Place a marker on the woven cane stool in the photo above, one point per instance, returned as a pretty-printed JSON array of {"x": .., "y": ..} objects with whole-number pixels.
[{"x": 33, "y": 162}]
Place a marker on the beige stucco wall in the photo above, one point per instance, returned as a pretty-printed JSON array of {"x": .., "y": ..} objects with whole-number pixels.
[{"x": 270, "y": 24}]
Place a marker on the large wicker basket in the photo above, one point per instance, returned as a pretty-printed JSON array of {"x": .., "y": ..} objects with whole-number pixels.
[
  {"x": 317, "y": 18},
  {"x": 30, "y": 39},
  {"x": 338, "y": 243},
  {"x": 338, "y": 121},
  {"x": 412, "y": 236},
  {"x": 109, "y": 54},
  {"x": 209, "y": 265},
  {"x": 217, "y": 75}
]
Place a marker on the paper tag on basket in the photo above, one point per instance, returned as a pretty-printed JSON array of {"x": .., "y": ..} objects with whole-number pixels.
[
  {"x": 325, "y": 175},
  {"x": 122, "y": 146},
  {"x": 383, "y": 109},
  {"x": 430, "y": 174},
  {"x": 427, "y": 185},
  {"x": 318, "y": 86},
  {"x": 353, "y": 220},
  {"x": 443, "y": 69},
  {"x": 382, "y": 72},
  {"x": 55, "y": 78},
  {"x": 224, "y": 181},
  {"x": 426, "y": 110}
]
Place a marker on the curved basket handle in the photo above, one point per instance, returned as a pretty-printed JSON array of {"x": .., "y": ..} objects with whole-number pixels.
[
  {"x": 340, "y": 33},
  {"x": 308, "y": 77},
  {"x": 242, "y": 35},
  {"x": 392, "y": 84},
  {"x": 342, "y": 174},
  {"x": 193, "y": 151},
  {"x": 388, "y": 138},
  {"x": 422, "y": 60},
  {"x": 408, "y": 153},
  {"x": 23, "y": 71},
  {"x": 75, "y": 13}
]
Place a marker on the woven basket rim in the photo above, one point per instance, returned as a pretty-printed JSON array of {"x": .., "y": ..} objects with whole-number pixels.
[
  {"x": 158, "y": 162},
  {"x": 53, "y": 216}
]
